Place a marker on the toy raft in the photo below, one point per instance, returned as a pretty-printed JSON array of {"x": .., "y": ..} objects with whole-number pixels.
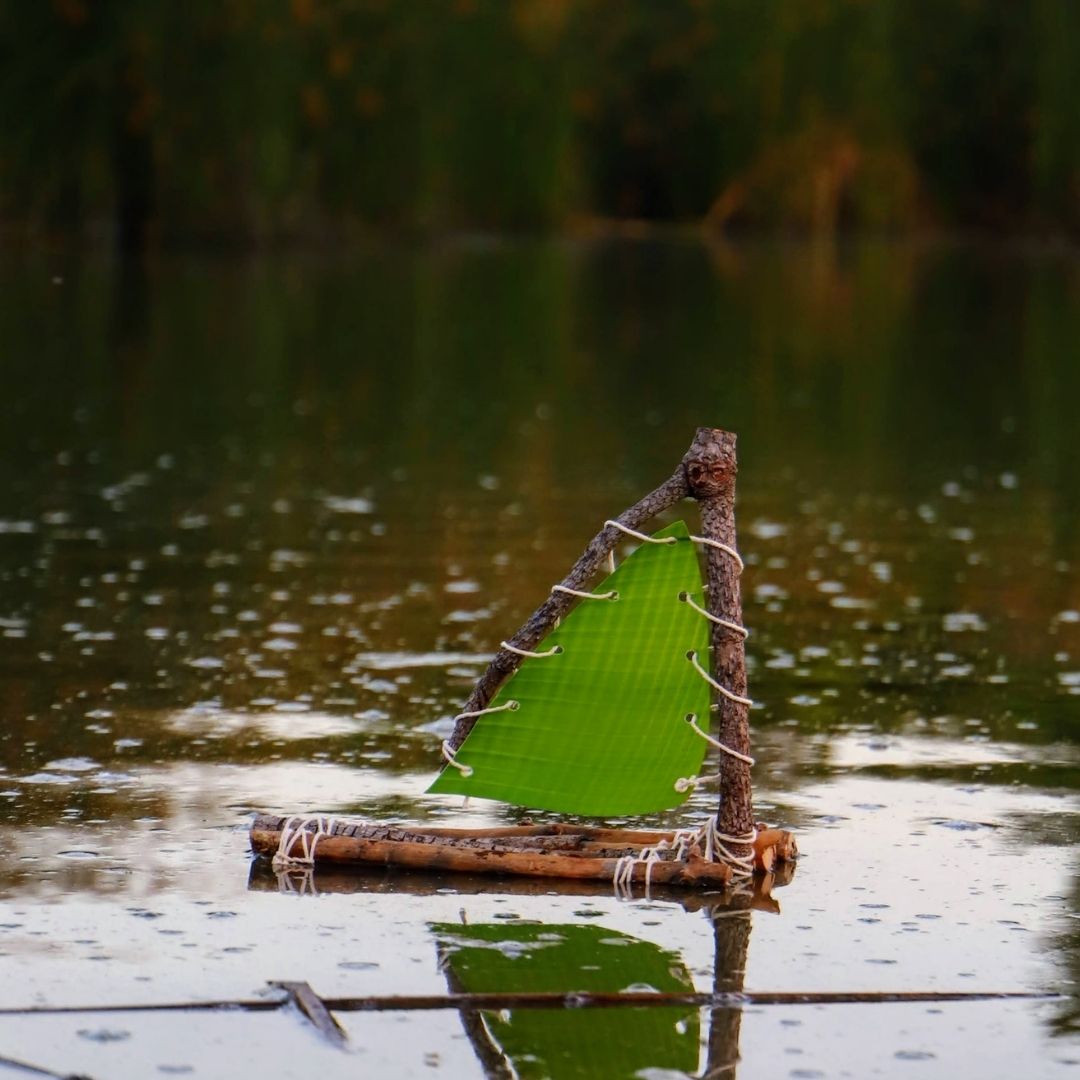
[
  {"x": 603, "y": 704},
  {"x": 556, "y": 850}
]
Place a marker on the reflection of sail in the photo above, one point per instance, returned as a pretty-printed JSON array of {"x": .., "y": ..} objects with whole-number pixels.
[{"x": 594, "y": 1043}]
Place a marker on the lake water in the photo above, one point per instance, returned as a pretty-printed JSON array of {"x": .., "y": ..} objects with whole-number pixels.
[{"x": 262, "y": 521}]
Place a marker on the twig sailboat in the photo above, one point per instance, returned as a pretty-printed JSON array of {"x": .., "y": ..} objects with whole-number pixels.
[{"x": 600, "y": 705}]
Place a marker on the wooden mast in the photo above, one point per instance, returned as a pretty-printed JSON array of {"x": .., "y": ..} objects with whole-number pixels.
[{"x": 711, "y": 466}]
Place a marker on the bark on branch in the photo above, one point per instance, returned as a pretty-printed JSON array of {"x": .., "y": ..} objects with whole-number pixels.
[{"x": 711, "y": 468}]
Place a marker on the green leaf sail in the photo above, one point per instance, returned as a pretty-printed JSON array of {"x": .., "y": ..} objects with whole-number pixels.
[{"x": 600, "y": 729}]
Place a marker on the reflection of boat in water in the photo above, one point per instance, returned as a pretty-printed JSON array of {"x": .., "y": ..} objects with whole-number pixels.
[
  {"x": 324, "y": 878},
  {"x": 520, "y": 957},
  {"x": 569, "y": 1042},
  {"x": 561, "y": 962}
]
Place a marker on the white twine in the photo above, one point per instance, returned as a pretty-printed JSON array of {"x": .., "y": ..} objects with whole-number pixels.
[
  {"x": 742, "y": 866},
  {"x": 640, "y": 535},
  {"x": 612, "y": 595},
  {"x": 688, "y": 783},
  {"x": 706, "y": 838},
  {"x": 451, "y": 759},
  {"x": 449, "y": 755},
  {"x": 297, "y": 881},
  {"x": 510, "y": 706},
  {"x": 716, "y": 847},
  {"x": 691, "y": 719},
  {"x": 725, "y": 548},
  {"x": 729, "y": 551},
  {"x": 623, "y": 876},
  {"x": 737, "y": 698},
  {"x": 553, "y": 651},
  {"x": 686, "y": 598},
  {"x": 296, "y": 828},
  {"x": 717, "y": 843}
]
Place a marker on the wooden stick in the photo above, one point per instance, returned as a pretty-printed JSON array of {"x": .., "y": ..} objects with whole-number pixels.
[
  {"x": 628, "y": 836},
  {"x": 37, "y": 1070},
  {"x": 493, "y": 1059},
  {"x": 711, "y": 466},
  {"x": 314, "y": 1010},
  {"x": 558, "y": 1000},
  {"x": 532, "y": 856},
  {"x": 555, "y": 837},
  {"x": 581, "y": 999}
]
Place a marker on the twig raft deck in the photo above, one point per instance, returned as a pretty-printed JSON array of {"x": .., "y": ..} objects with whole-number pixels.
[{"x": 551, "y": 851}]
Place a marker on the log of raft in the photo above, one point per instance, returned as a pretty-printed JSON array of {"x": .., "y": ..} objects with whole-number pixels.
[{"x": 548, "y": 851}]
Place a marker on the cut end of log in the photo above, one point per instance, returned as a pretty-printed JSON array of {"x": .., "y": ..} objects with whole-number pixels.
[{"x": 773, "y": 847}]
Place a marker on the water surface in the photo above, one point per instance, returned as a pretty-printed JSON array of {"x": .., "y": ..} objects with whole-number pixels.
[{"x": 263, "y": 521}]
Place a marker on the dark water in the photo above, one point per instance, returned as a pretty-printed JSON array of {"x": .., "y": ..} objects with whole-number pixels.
[{"x": 261, "y": 523}]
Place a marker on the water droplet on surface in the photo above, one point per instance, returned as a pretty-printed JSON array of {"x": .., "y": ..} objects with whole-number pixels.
[
  {"x": 348, "y": 505},
  {"x": 103, "y": 1035}
]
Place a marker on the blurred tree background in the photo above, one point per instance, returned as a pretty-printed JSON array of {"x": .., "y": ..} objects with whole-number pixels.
[{"x": 263, "y": 120}]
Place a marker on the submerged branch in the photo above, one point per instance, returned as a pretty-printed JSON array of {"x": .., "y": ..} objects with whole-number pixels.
[{"x": 558, "y": 1000}]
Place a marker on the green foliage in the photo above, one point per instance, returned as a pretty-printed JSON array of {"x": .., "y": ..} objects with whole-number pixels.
[{"x": 229, "y": 118}]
